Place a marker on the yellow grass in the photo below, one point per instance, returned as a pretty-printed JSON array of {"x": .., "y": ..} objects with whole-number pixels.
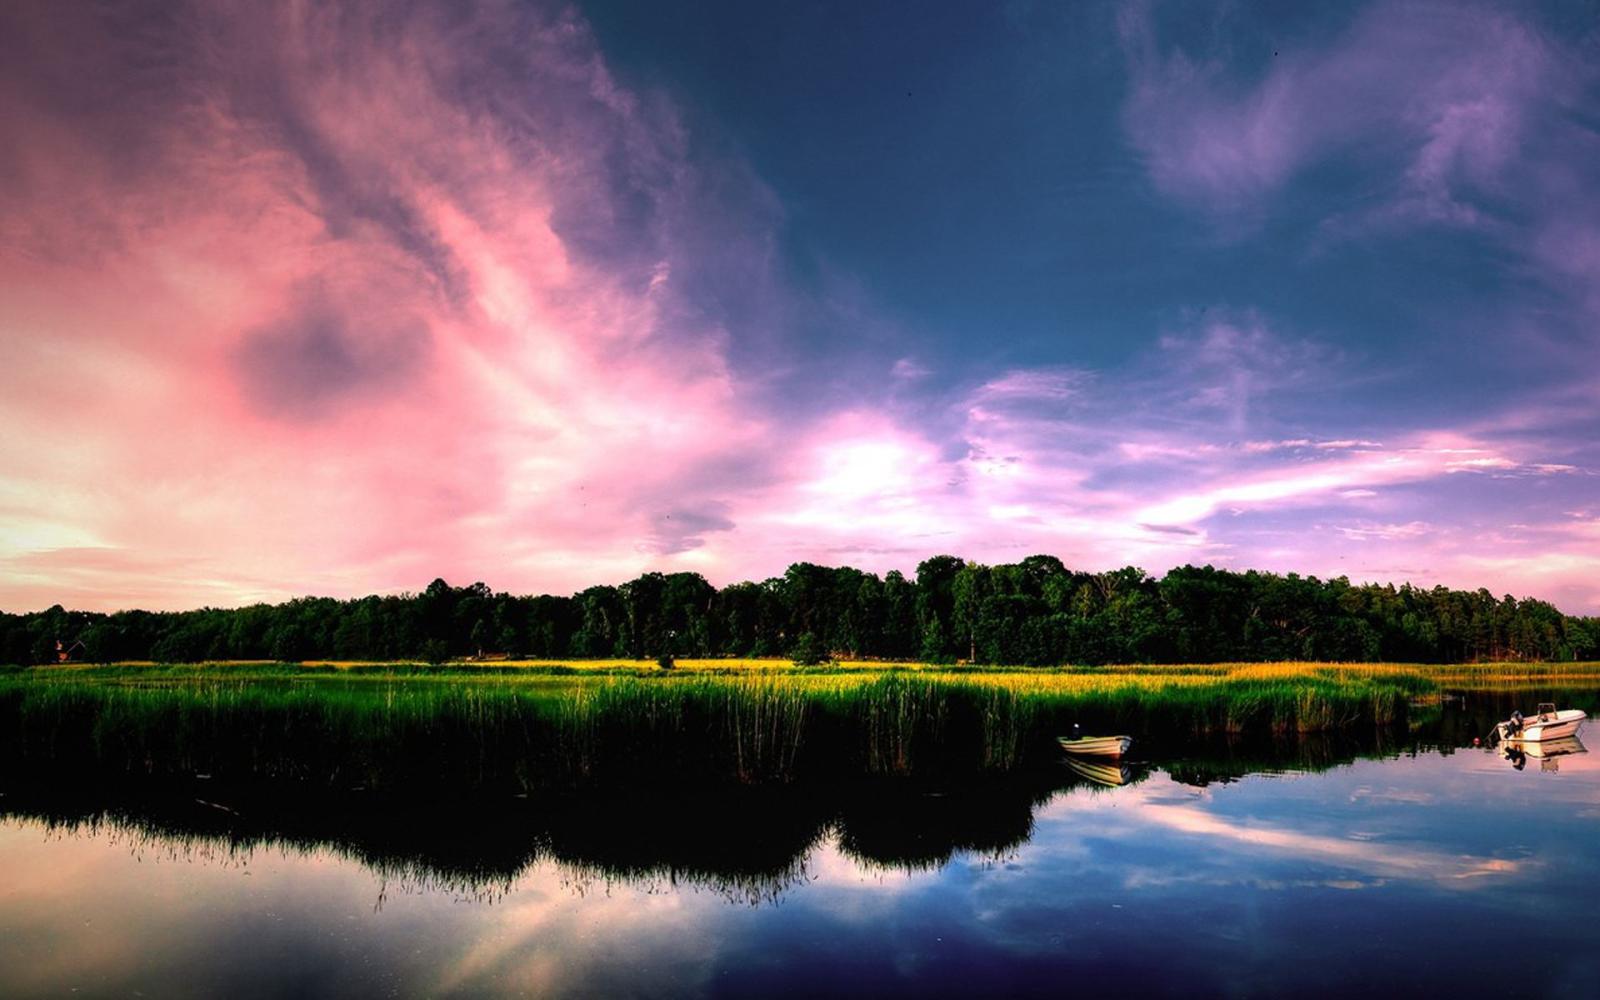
[
  {"x": 1468, "y": 673},
  {"x": 553, "y": 677}
]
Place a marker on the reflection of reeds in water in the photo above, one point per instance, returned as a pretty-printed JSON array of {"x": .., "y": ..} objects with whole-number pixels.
[{"x": 747, "y": 843}]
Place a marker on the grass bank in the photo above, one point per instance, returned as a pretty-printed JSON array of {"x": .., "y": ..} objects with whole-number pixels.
[{"x": 552, "y": 725}]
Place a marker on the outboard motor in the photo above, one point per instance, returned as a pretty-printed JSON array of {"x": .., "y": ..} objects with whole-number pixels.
[{"x": 1515, "y": 726}]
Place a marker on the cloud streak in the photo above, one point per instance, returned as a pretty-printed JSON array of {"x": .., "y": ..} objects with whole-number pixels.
[
  {"x": 1443, "y": 91},
  {"x": 340, "y": 300}
]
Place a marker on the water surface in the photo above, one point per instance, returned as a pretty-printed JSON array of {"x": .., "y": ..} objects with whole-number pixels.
[{"x": 1415, "y": 870}]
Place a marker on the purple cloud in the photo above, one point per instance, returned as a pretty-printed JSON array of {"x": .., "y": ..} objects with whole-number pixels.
[{"x": 1442, "y": 90}]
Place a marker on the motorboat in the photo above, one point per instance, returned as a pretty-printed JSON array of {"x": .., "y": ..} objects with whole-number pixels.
[{"x": 1546, "y": 724}]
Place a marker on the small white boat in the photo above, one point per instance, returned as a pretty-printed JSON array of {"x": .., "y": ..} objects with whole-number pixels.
[
  {"x": 1546, "y": 724},
  {"x": 1096, "y": 746}
]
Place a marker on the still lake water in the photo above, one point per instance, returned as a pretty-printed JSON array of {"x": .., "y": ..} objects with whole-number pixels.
[{"x": 1419, "y": 872}]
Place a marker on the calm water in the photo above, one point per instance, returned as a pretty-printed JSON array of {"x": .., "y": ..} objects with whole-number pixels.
[{"x": 1419, "y": 872}]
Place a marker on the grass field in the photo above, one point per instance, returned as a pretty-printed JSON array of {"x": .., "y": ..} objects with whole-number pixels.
[
  {"x": 1444, "y": 673},
  {"x": 536, "y": 724}
]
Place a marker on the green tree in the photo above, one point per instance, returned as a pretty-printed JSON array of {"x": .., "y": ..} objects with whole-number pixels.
[
  {"x": 970, "y": 590},
  {"x": 809, "y": 651},
  {"x": 934, "y": 646}
]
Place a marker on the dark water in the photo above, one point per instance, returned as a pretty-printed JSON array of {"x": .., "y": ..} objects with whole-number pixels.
[{"x": 1311, "y": 868}]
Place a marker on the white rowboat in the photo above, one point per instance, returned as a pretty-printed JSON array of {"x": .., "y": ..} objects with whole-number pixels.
[
  {"x": 1547, "y": 724},
  {"x": 1096, "y": 746}
]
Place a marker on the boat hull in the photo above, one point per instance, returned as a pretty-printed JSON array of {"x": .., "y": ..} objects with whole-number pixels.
[
  {"x": 1096, "y": 746},
  {"x": 1561, "y": 726}
]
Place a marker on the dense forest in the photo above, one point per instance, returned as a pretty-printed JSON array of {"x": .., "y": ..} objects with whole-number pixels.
[{"x": 1035, "y": 612}]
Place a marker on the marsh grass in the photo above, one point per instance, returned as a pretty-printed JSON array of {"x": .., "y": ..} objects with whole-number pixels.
[{"x": 540, "y": 726}]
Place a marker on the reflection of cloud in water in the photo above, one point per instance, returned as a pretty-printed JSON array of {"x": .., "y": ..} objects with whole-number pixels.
[
  {"x": 534, "y": 946},
  {"x": 1398, "y": 796},
  {"x": 1139, "y": 877},
  {"x": 833, "y": 867},
  {"x": 1132, "y": 815},
  {"x": 1572, "y": 782},
  {"x": 1105, "y": 872},
  {"x": 170, "y": 919},
  {"x": 559, "y": 922},
  {"x": 1371, "y": 856},
  {"x": 102, "y": 906},
  {"x": 34, "y": 872}
]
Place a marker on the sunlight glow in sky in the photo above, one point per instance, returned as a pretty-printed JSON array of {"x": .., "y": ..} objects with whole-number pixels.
[{"x": 303, "y": 299}]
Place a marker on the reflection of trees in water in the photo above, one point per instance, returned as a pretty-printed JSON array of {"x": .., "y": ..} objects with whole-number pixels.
[
  {"x": 921, "y": 830},
  {"x": 1224, "y": 760},
  {"x": 747, "y": 843}
]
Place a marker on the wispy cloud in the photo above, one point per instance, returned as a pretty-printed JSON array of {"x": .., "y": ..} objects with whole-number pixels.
[
  {"x": 340, "y": 300},
  {"x": 376, "y": 295},
  {"x": 1445, "y": 87},
  {"x": 1132, "y": 464}
]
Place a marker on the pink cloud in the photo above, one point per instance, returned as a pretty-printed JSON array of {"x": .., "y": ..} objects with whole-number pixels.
[
  {"x": 336, "y": 333},
  {"x": 1370, "y": 531},
  {"x": 339, "y": 301},
  {"x": 1070, "y": 463}
]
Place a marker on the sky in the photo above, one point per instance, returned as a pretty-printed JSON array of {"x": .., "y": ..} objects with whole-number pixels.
[{"x": 302, "y": 298}]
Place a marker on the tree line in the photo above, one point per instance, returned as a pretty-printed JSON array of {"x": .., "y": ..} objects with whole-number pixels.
[{"x": 1034, "y": 612}]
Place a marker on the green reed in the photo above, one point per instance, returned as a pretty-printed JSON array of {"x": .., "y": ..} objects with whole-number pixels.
[{"x": 396, "y": 727}]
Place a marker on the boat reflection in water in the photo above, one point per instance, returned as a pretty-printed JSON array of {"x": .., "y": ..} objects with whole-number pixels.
[
  {"x": 1103, "y": 771},
  {"x": 1548, "y": 753}
]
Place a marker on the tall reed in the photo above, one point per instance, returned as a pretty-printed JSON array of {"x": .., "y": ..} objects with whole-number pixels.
[{"x": 402, "y": 727}]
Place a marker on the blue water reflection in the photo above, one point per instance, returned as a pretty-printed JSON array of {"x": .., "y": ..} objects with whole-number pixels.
[{"x": 1425, "y": 873}]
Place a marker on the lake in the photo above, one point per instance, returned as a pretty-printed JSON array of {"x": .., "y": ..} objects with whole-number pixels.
[{"x": 1308, "y": 867}]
